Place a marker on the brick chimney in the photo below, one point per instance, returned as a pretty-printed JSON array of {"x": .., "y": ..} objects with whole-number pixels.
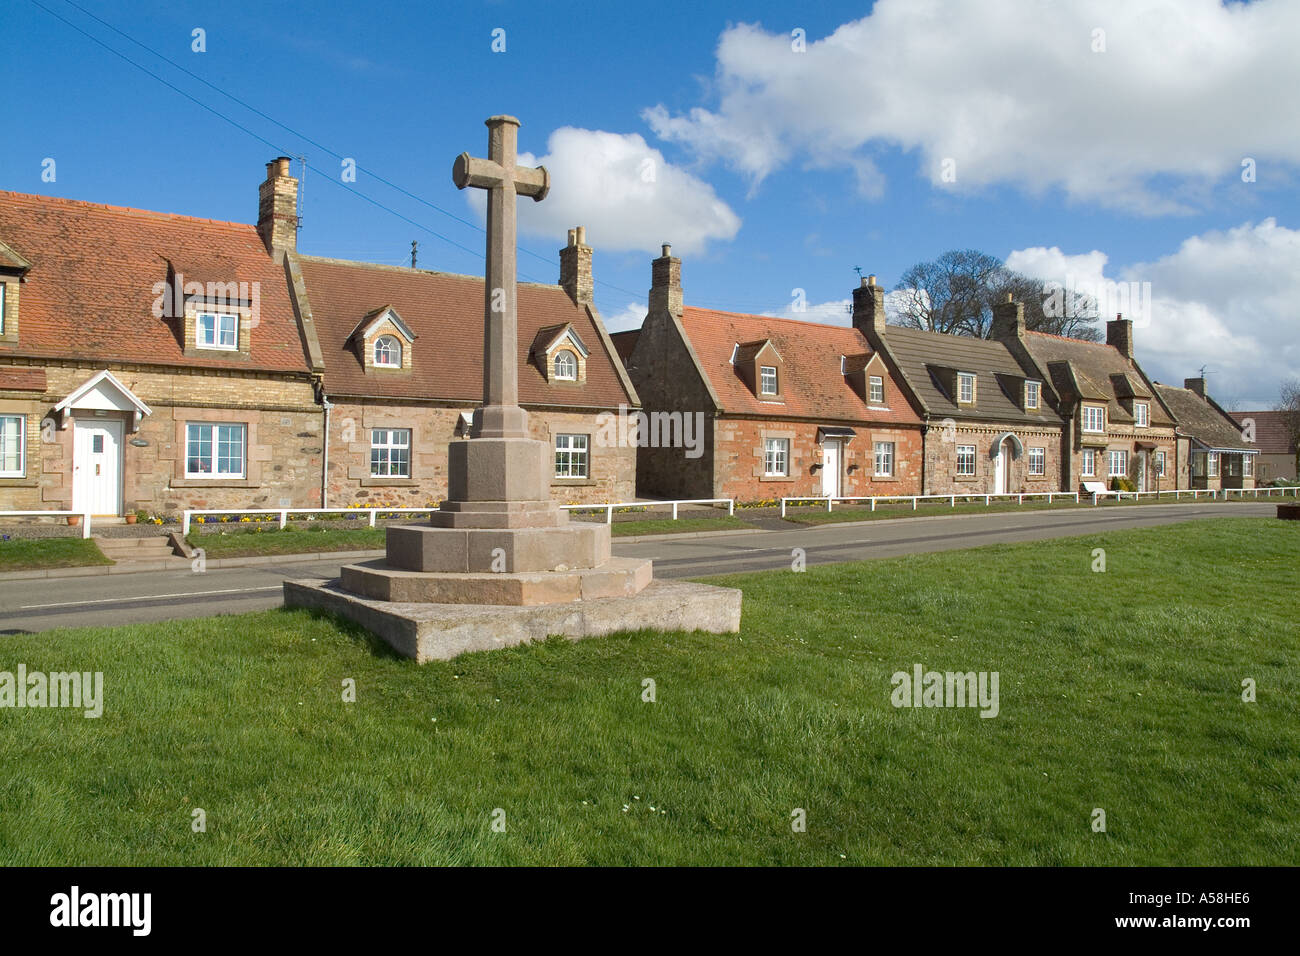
[
  {"x": 1008, "y": 319},
  {"x": 666, "y": 283},
  {"x": 277, "y": 209},
  {"x": 1119, "y": 333},
  {"x": 1196, "y": 385},
  {"x": 869, "y": 307},
  {"x": 575, "y": 267}
]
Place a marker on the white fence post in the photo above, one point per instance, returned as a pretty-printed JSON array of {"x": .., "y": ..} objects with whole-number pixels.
[
  {"x": 674, "y": 511},
  {"x": 185, "y": 523},
  {"x": 731, "y": 507},
  {"x": 373, "y": 513},
  {"x": 85, "y": 526},
  {"x": 284, "y": 519}
]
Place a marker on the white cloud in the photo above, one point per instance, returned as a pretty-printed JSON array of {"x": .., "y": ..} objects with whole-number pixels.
[
  {"x": 1014, "y": 93},
  {"x": 1228, "y": 300},
  {"x": 625, "y": 193},
  {"x": 629, "y": 317}
]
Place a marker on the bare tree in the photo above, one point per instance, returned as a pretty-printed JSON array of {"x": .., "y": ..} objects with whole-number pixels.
[
  {"x": 1289, "y": 406},
  {"x": 949, "y": 294},
  {"x": 955, "y": 294}
]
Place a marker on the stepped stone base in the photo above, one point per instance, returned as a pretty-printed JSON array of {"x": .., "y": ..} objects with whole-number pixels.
[
  {"x": 432, "y": 632},
  {"x": 380, "y": 581},
  {"x": 463, "y": 550}
]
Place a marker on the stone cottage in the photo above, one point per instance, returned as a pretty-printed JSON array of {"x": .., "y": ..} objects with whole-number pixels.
[
  {"x": 988, "y": 426},
  {"x": 1210, "y": 440},
  {"x": 152, "y": 361},
  {"x": 399, "y": 353},
  {"x": 1115, "y": 424},
  {"x": 1274, "y": 439},
  {"x": 756, "y": 408}
]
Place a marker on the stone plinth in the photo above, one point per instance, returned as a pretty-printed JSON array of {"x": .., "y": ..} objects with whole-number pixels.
[
  {"x": 510, "y": 550},
  {"x": 1289, "y": 512},
  {"x": 379, "y": 581},
  {"x": 429, "y": 632}
]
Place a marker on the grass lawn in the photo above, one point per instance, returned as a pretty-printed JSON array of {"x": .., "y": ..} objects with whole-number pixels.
[
  {"x": 240, "y": 544},
  {"x": 29, "y": 554},
  {"x": 1118, "y": 690}
]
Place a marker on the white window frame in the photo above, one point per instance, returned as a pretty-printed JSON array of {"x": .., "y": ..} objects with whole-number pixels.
[
  {"x": 1089, "y": 466},
  {"x": 1212, "y": 464},
  {"x": 887, "y": 460},
  {"x": 560, "y": 374},
  {"x": 22, "y": 445},
  {"x": 762, "y": 380},
  {"x": 1111, "y": 458},
  {"x": 1035, "y": 389},
  {"x": 1141, "y": 414},
  {"x": 1038, "y": 461},
  {"x": 390, "y": 446},
  {"x": 389, "y": 353},
  {"x": 1088, "y": 413},
  {"x": 965, "y": 461},
  {"x": 214, "y": 448},
  {"x": 776, "y": 457},
  {"x": 218, "y": 331},
  {"x": 965, "y": 384},
  {"x": 1248, "y": 466},
  {"x": 876, "y": 389},
  {"x": 572, "y": 456}
]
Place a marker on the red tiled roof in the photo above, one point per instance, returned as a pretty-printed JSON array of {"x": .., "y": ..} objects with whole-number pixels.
[
  {"x": 1271, "y": 433},
  {"x": 446, "y": 313},
  {"x": 813, "y": 386},
  {"x": 22, "y": 379},
  {"x": 90, "y": 291}
]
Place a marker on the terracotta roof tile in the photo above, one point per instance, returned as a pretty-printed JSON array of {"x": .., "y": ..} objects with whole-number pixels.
[
  {"x": 446, "y": 312},
  {"x": 813, "y": 386},
  {"x": 90, "y": 291}
]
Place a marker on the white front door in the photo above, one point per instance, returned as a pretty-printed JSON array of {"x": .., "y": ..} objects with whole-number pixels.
[
  {"x": 1000, "y": 470},
  {"x": 831, "y": 468},
  {"x": 97, "y": 466},
  {"x": 1142, "y": 471}
]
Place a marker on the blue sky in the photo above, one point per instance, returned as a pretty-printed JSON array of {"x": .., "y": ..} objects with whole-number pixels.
[{"x": 773, "y": 168}]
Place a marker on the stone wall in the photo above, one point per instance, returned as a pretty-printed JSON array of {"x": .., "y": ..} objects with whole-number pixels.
[
  {"x": 611, "y": 469},
  {"x": 282, "y": 438},
  {"x": 664, "y": 374},
  {"x": 941, "y": 443},
  {"x": 739, "y": 455}
]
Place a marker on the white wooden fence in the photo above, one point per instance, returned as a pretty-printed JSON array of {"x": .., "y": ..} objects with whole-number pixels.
[
  {"x": 84, "y": 515},
  {"x": 951, "y": 499},
  {"x": 608, "y": 508},
  {"x": 284, "y": 513}
]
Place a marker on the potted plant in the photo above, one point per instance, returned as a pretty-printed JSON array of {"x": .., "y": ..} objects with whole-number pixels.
[
  {"x": 74, "y": 520},
  {"x": 132, "y": 517}
]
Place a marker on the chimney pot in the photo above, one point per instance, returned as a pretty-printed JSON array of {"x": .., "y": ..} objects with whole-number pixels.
[{"x": 871, "y": 280}]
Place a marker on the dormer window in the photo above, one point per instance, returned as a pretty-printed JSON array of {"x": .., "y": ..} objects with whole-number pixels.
[
  {"x": 767, "y": 380},
  {"x": 1141, "y": 414},
  {"x": 1031, "y": 396},
  {"x": 215, "y": 330},
  {"x": 877, "y": 386},
  {"x": 965, "y": 388},
  {"x": 1094, "y": 418},
  {"x": 566, "y": 366},
  {"x": 388, "y": 352}
]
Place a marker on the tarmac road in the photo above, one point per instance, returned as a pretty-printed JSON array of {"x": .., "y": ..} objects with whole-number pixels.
[{"x": 101, "y": 600}]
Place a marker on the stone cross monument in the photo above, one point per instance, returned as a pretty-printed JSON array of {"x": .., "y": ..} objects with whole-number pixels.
[
  {"x": 499, "y": 563},
  {"x": 500, "y": 416}
]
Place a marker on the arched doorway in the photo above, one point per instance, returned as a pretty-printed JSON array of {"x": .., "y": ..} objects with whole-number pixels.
[{"x": 1006, "y": 448}]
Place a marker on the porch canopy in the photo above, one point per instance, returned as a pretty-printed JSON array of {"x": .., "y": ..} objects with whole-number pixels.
[
  {"x": 835, "y": 431},
  {"x": 1017, "y": 446},
  {"x": 103, "y": 392}
]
